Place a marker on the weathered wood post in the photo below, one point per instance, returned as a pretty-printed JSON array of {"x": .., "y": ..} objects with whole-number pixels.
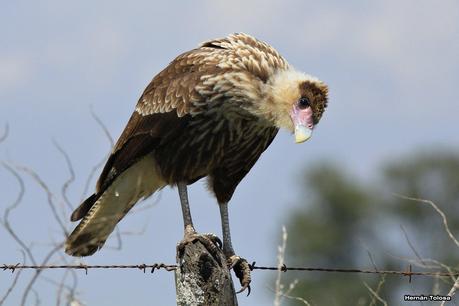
[{"x": 202, "y": 279}]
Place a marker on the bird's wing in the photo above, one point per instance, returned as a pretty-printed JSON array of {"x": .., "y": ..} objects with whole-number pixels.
[
  {"x": 168, "y": 98},
  {"x": 130, "y": 172},
  {"x": 171, "y": 95}
]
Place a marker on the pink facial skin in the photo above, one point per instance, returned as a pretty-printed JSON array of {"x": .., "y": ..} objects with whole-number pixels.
[{"x": 302, "y": 117}]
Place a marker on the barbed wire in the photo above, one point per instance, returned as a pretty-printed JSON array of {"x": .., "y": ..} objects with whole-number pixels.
[
  {"x": 144, "y": 267},
  {"x": 171, "y": 267}
]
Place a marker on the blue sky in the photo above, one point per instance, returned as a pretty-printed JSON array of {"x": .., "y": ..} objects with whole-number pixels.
[{"x": 392, "y": 67}]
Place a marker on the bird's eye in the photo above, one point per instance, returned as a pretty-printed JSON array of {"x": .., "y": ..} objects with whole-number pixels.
[{"x": 303, "y": 103}]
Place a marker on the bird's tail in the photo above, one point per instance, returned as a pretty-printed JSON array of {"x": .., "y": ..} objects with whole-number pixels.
[{"x": 101, "y": 212}]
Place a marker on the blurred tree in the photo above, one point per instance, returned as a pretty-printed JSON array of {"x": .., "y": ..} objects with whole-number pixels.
[{"x": 344, "y": 222}]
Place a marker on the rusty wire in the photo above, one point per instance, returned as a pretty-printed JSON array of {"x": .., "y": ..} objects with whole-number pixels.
[
  {"x": 171, "y": 267},
  {"x": 142, "y": 267}
]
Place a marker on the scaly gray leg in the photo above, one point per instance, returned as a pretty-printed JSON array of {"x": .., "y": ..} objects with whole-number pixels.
[
  {"x": 187, "y": 221},
  {"x": 210, "y": 241},
  {"x": 240, "y": 265}
]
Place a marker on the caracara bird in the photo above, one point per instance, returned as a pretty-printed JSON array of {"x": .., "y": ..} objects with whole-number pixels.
[{"x": 210, "y": 113}]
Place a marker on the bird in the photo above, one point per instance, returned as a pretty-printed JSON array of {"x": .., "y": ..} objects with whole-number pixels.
[{"x": 210, "y": 114}]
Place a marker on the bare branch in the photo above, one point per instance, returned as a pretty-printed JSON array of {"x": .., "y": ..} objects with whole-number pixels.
[
  {"x": 370, "y": 255},
  {"x": 411, "y": 245},
  {"x": 103, "y": 126},
  {"x": 438, "y": 210},
  {"x": 429, "y": 263},
  {"x": 10, "y": 289},
  {"x": 119, "y": 241},
  {"x": 62, "y": 285},
  {"x": 138, "y": 232},
  {"x": 15, "y": 280},
  {"x": 37, "y": 298},
  {"x": 72, "y": 288},
  {"x": 20, "y": 194},
  {"x": 5, "y": 134},
  {"x": 281, "y": 268},
  {"x": 375, "y": 293},
  {"x": 453, "y": 290},
  {"x": 297, "y": 298},
  {"x": 90, "y": 176},
  {"x": 286, "y": 294},
  {"x": 455, "y": 286},
  {"x": 49, "y": 194},
  {"x": 102, "y": 162},
  {"x": 32, "y": 281},
  {"x": 280, "y": 263},
  {"x": 71, "y": 179},
  {"x": 157, "y": 198},
  {"x": 291, "y": 287},
  {"x": 5, "y": 223}
]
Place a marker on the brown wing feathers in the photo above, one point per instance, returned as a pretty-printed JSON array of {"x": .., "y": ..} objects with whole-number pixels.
[
  {"x": 84, "y": 207},
  {"x": 138, "y": 139},
  {"x": 164, "y": 99},
  {"x": 160, "y": 110}
]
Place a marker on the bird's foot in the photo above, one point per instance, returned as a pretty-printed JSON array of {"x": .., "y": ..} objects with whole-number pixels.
[
  {"x": 210, "y": 241},
  {"x": 242, "y": 270}
]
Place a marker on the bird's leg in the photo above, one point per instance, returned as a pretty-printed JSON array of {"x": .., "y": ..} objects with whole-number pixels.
[
  {"x": 210, "y": 241},
  {"x": 240, "y": 265},
  {"x": 186, "y": 213}
]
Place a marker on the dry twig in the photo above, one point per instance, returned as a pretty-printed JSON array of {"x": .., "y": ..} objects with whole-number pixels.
[
  {"x": 97, "y": 166},
  {"x": 49, "y": 194},
  {"x": 5, "y": 134},
  {"x": 14, "y": 282},
  {"x": 439, "y": 211},
  {"x": 375, "y": 294},
  {"x": 455, "y": 286},
  {"x": 71, "y": 178}
]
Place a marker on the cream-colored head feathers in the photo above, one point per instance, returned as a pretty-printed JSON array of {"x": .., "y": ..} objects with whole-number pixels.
[{"x": 284, "y": 89}]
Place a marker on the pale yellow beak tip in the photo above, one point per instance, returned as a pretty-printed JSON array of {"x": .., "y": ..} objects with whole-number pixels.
[{"x": 302, "y": 134}]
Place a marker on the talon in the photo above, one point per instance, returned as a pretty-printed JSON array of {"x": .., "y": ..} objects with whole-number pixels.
[
  {"x": 214, "y": 238},
  {"x": 246, "y": 286},
  {"x": 242, "y": 270},
  {"x": 210, "y": 241}
]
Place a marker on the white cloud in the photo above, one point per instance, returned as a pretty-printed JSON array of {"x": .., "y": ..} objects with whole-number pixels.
[{"x": 14, "y": 71}]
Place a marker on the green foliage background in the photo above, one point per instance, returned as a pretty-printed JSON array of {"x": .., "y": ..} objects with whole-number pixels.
[{"x": 346, "y": 222}]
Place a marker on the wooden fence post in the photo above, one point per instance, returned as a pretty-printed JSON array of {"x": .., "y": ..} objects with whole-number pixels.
[{"x": 201, "y": 279}]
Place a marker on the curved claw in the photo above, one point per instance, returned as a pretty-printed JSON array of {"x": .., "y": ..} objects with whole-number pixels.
[
  {"x": 246, "y": 286},
  {"x": 242, "y": 270},
  {"x": 214, "y": 238}
]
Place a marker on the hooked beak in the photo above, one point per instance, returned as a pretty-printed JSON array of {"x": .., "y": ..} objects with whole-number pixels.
[
  {"x": 302, "y": 133},
  {"x": 303, "y": 122}
]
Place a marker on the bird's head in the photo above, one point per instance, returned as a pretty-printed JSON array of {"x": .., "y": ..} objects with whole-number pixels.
[{"x": 294, "y": 101}]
